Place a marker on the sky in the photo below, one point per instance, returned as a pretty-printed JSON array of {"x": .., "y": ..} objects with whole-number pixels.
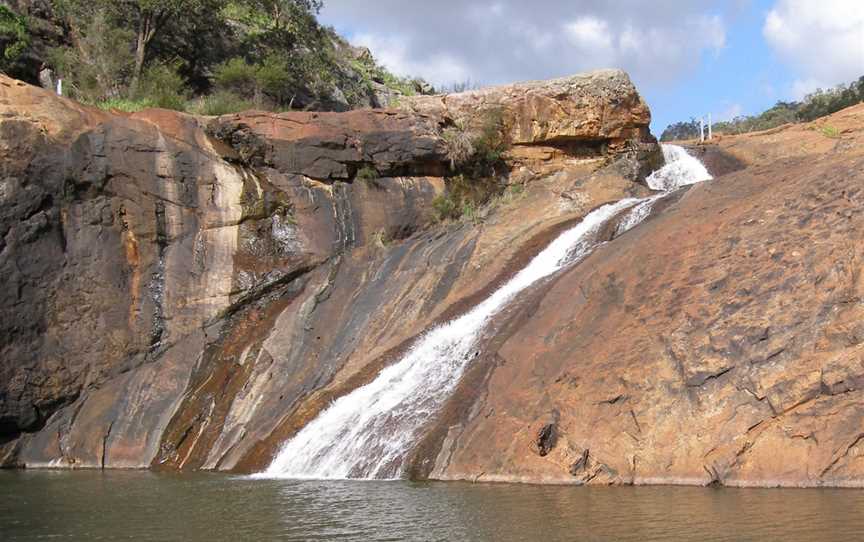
[{"x": 688, "y": 58}]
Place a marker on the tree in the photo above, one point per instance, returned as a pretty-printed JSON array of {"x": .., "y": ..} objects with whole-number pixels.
[
  {"x": 14, "y": 36},
  {"x": 283, "y": 12},
  {"x": 145, "y": 18},
  {"x": 99, "y": 64}
]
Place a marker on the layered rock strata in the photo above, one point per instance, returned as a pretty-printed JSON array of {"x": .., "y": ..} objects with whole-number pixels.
[{"x": 184, "y": 292}]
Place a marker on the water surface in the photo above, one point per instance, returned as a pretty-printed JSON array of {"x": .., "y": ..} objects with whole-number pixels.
[{"x": 145, "y": 506}]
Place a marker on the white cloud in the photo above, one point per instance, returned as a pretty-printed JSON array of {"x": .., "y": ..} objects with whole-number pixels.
[
  {"x": 394, "y": 52},
  {"x": 508, "y": 40},
  {"x": 729, "y": 113},
  {"x": 589, "y": 32},
  {"x": 822, "y": 40}
]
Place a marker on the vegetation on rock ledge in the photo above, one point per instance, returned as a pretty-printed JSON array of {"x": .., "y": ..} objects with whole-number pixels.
[{"x": 477, "y": 162}]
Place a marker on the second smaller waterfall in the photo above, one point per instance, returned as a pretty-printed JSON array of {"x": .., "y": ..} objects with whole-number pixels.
[{"x": 681, "y": 169}]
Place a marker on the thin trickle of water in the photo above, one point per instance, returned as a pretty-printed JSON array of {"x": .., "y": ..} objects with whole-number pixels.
[{"x": 367, "y": 433}]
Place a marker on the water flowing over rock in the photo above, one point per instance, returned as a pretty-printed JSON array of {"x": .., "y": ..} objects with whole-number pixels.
[
  {"x": 192, "y": 293},
  {"x": 180, "y": 291},
  {"x": 369, "y": 432}
]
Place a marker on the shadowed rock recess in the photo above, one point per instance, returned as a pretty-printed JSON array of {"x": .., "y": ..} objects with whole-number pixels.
[{"x": 187, "y": 293}]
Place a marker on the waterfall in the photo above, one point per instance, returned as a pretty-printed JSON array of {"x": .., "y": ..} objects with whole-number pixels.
[
  {"x": 680, "y": 170},
  {"x": 368, "y": 432}
]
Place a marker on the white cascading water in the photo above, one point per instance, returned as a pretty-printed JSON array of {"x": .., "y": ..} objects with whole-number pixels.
[
  {"x": 368, "y": 432},
  {"x": 680, "y": 169}
]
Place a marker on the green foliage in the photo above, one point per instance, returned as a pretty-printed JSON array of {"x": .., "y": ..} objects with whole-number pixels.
[
  {"x": 478, "y": 153},
  {"x": 14, "y": 36},
  {"x": 275, "y": 78},
  {"x": 445, "y": 208},
  {"x": 470, "y": 212},
  {"x": 492, "y": 143},
  {"x": 238, "y": 76},
  {"x": 162, "y": 86},
  {"x": 273, "y": 53},
  {"x": 825, "y": 102},
  {"x": 477, "y": 156},
  {"x": 221, "y": 102},
  {"x": 782, "y": 113},
  {"x": 370, "y": 72},
  {"x": 829, "y": 131},
  {"x": 100, "y": 65},
  {"x": 681, "y": 130},
  {"x": 464, "y": 197},
  {"x": 368, "y": 174},
  {"x": 816, "y": 105},
  {"x": 270, "y": 79},
  {"x": 124, "y": 104}
]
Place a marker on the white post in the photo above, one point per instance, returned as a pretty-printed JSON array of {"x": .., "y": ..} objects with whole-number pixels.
[
  {"x": 701, "y": 129},
  {"x": 710, "y": 130},
  {"x": 59, "y": 87}
]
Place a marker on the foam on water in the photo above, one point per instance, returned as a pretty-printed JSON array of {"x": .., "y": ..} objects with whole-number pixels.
[
  {"x": 681, "y": 169},
  {"x": 368, "y": 432}
]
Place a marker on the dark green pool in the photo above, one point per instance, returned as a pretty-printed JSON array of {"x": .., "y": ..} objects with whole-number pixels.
[{"x": 148, "y": 507}]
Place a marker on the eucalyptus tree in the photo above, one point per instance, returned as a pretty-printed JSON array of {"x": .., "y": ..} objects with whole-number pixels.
[{"x": 144, "y": 18}]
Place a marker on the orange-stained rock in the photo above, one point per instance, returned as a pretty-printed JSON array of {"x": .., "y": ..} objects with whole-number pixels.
[
  {"x": 181, "y": 291},
  {"x": 719, "y": 342},
  {"x": 597, "y": 105},
  {"x": 184, "y": 292},
  {"x": 589, "y": 114}
]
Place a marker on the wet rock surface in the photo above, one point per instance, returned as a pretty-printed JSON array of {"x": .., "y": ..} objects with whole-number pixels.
[
  {"x": 716, "y": 343},
  {"x": 184, "y": 292}
]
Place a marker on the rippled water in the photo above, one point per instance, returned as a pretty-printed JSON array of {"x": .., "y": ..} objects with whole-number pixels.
[{"x": 155, "y": 507}]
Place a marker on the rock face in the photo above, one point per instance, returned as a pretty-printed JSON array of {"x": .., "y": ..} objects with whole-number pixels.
[
  {"x": 591, "y": 114},
  {"x": 719, "y": 342},
  {"x": 184, "y": 292}
]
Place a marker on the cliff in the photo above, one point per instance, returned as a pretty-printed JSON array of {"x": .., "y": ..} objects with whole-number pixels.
[
  {"x": 718, "y": 343},
  {"x": 187, "y": 292}
]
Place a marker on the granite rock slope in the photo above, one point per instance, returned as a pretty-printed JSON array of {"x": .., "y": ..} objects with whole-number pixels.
[
  {"x": 720, "y": 342},
  {"x": 185, "y": 292}
]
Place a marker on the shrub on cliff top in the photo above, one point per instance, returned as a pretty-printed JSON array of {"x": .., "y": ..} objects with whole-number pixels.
[
  {"x": 269, "y": 80},
  {"x": 220, "y": 103},
  {"x": 162, "y": 85},
  {"x": 477, "y": 159},
  {"x": 14, "y": 36},
  {"x": 478, "y": 153}
]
